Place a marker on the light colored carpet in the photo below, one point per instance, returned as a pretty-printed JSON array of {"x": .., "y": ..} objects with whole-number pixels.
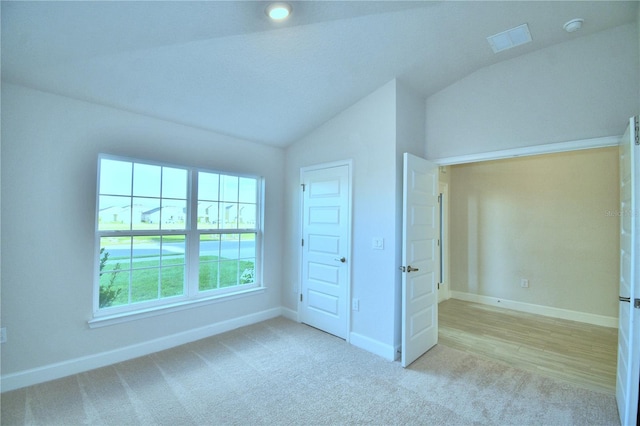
[{"x": 281, "y": 372}]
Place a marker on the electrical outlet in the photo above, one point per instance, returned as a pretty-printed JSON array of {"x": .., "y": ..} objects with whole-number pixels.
[
  {"x": 524, "y": 283},
  {"x": 355, "y": 304},
  {"x": 3, "y": 334}
]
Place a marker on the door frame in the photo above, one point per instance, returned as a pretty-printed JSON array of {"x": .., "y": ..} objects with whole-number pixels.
[
  {"x": 444, "y": 292},
  {"x": 577, "y": 145},
  {"x": 320, "y": 166}
]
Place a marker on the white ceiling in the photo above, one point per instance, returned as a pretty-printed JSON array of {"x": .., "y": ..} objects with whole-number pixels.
[{"x": 222, "y": 66}]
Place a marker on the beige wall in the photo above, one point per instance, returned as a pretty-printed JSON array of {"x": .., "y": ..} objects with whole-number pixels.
[{"x": 550, "y": 219}]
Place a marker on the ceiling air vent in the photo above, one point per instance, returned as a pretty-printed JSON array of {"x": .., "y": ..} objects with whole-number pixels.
[{"x": 510, "y": 38}]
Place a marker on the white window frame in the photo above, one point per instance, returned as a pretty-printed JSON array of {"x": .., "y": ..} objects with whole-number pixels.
[{"x": 192, "y": 295}]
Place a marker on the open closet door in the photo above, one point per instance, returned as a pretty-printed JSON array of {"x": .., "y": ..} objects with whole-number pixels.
[
  {"x": 420, "y": 231},
  {"x": 628, "y": 371}
]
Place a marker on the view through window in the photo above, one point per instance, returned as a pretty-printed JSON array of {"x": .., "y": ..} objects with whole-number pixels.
[{"x": 168, "y": 234}]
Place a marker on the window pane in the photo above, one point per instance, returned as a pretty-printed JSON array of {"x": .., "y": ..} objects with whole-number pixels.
[
  {"x": 228, "y": 273},
  {"x": 115, "y": 177},
  {"x": 173, "y": 250},
  {"x": 174, "y": 183},
  {"x": 172, "y": 281},
  {"x": 173, "y": 214},
  {"x": 146, "y": 252},
  {"x": 247, "y": 216},
  {"x": 208, "y": 215},
  {"x": 144, "y": 284},
  {"x": 208, "y": 276},
  {"x": 229, "y": 188},
  {"x": 209, "y": 247},
  {"x": 248, "y": 190},
  {"x": 115, "y": 261},
  {"x": 230, "y": 246},
  {"x": 114, "y": 289},
  {"x": 208, "y": 186},
  {"x": 229, "y": 216},
  {"x": 248, "y": 258},
  {"x": 114, "y": 213},
  {"x": 145, "y": 213},
  {"x": 115, "y": 253},
  {"x": 248, "y": 246},
  {"x": 146, "y": 180},
  {"x": 247, "y": 272}
]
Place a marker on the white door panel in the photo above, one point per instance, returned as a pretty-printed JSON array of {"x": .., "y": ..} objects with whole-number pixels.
[
  {"x": 325, "y": 235},
  {"x": 420, "y": 258},
  {"x": 628, "y": 369}
]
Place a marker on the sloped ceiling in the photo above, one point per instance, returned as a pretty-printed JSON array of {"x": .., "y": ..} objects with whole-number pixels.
[{"x": 223, "y": 66}]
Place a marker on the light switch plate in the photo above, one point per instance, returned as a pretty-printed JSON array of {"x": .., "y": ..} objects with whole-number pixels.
[{"x": 377, "y": 243}]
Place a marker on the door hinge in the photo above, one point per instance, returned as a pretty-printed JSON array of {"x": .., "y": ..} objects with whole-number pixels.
[
  {"x": 301, "y": 297},
  {"x": 637, "y": 126},
  {"x": 636, "y": 302},
  {"x": 303, "y": 186},
  {"x": 303, "y": 242},
  {"x": 438, "y": 242}
]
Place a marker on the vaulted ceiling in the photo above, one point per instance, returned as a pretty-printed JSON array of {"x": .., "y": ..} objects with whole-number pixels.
[{"x": 224, "y": 66}]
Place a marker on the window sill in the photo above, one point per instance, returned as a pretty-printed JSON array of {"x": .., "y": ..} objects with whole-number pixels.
[{"x": 108, "y": 320}]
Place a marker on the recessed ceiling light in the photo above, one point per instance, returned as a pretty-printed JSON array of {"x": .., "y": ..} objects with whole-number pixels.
[
  {"x": 278, "y": 11},
  {"x": 573, "y": 25},
  {"x": 510, "y": 38}
]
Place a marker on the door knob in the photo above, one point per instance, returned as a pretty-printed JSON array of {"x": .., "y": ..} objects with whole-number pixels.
[{"x": 342, "y": 259}]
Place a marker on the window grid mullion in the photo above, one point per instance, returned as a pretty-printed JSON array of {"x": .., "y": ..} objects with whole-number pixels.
[{"x": 193, "y": 239}]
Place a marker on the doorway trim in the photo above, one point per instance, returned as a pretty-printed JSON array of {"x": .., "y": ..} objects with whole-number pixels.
[
  {"x": 349, "y": 164},
  {"x": 549, "y": 148},
  {"x": 444, "y": 292}
]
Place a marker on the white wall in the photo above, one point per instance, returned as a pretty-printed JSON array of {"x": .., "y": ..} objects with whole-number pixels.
[
  {"x": 583, "y": 88},
  {"x": 49, "y": 156},
  {"x": 365, "y": 133},
  {"x": 374, "y": 133}
]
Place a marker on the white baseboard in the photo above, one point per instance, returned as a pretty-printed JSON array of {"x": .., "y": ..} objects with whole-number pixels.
[
  {"x": 356, "y": 339},
  {"x": 387, "y": 352},
  {"x": 530, "y": 308},
  {"x": 290, "y": 314},
  {"x": 79, "y": 365}
]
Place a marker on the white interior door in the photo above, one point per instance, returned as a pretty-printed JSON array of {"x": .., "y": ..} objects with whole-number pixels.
[
  {"x": 628, "y": 375},
  {"x": 420, "y": 263},
  {"x": 326, "y": 224}
]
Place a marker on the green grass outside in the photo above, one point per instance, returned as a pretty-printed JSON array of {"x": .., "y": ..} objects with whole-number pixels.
[{"x": 148, "y": 282}]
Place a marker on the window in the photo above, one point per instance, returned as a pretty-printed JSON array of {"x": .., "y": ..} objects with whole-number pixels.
[{"x": 169, "y": 234}]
